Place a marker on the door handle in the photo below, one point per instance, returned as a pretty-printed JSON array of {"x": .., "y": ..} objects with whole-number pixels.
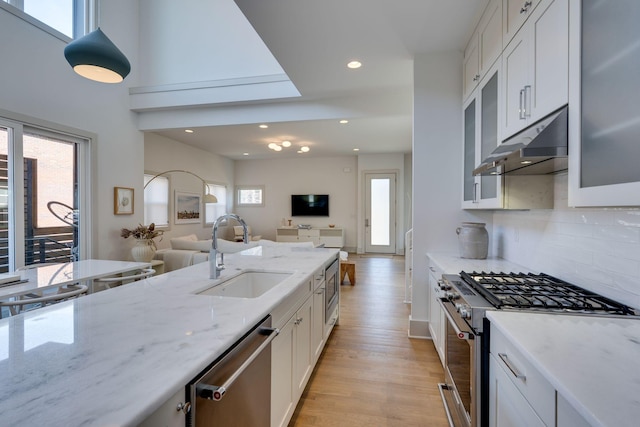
[{"x": 214, "y": 392}]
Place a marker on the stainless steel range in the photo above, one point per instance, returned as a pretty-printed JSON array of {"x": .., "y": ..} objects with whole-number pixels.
[{"x": 466, "y": 297}]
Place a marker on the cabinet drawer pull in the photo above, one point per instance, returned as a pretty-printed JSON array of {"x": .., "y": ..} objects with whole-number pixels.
[
  {"x": 527, "y": 101},
  {"x": 516, "y": 373}
]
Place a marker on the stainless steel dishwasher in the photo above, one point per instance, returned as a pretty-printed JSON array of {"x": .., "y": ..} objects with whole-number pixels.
[{"x": 236, "y": 389}]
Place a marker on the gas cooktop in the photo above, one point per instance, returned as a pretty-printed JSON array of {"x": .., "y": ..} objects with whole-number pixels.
[{"x": 540, "y": 291}]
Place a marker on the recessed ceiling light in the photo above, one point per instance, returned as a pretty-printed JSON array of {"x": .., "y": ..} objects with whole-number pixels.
[
  {"x": 356, "y": 149},
  {"x": 354, "y": 64},
  {"x": 526, "y": 162},
  {"x": 188, "y": 130},
  {"x": 299, "y": 151},
  {"x": 272, "y": 145},
  {"x": 245, "y": 154},
  {"x": 304, "y": 149},
  {"x": 263, "y": 126},
  {"x": 344, "y": 122},
  {"x": 277, "y": 148},
  {"x": 286, "y": 144}
]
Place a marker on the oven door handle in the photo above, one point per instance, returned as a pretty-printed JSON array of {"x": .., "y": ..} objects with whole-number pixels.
[{"x": 463, "y": 335}]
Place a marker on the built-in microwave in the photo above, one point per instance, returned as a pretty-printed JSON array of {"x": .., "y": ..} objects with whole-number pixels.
[{"x": 332, "y": 293}]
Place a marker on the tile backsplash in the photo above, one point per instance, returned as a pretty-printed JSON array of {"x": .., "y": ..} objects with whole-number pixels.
[{"x": 596, "y": 248}]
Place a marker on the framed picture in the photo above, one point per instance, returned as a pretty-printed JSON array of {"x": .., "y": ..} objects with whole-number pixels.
[
  {"x": 122, "y": 201},
  {"x": 187, "y": 207}
]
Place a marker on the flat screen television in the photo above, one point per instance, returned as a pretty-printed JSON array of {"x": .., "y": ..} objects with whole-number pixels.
[{"x": 309, "y": 205}]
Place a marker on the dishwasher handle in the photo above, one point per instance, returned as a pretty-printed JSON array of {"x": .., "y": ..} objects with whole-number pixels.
[{"x": 214, "y": 392}]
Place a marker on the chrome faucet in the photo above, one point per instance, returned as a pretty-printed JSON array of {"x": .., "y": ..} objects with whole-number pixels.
[{"x": 214, "y": 267}]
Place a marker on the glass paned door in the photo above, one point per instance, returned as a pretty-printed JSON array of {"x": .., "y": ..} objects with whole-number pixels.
[
  {"x": 380, "y": 213},
  {"x": 5, "y": 200},
  {"x": 50, "y": 181},
  {"x": 39, "y": 186}
]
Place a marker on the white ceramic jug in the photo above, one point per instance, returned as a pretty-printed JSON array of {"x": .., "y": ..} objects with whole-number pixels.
[{"x": 473, "y": 240}]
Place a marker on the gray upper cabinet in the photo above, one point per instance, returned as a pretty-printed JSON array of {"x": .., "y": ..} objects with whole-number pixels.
[{"x": 604, "y": 117}]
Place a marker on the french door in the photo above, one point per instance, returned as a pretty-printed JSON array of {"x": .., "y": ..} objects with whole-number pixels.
[
  {"x": 41, "y": 217},
  {"x": 380, "y": 213}
]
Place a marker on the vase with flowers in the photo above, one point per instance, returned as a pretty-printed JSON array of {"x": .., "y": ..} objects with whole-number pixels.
[{"x": 145, "y": 247}]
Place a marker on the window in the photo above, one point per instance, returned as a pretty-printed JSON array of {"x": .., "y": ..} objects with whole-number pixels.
[
  {"x": 250, "y": 195},
  {"x": 42, "y": 216},
  {"x": 156, "y": 200},
  {"x": 68, "y": 17},
  {"x": 216, "y": 210}
]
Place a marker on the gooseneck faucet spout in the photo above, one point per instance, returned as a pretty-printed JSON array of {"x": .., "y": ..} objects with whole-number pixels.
[{"x": 214, "y": 267}]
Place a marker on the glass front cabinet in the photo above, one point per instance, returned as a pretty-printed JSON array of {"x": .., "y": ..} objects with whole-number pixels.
[
  {"x": 481, "y": 137},
  {"x": 604, "y": 117}
]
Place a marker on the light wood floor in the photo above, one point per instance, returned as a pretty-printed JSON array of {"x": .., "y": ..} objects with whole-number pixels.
[{"x": 371, "y": 373}]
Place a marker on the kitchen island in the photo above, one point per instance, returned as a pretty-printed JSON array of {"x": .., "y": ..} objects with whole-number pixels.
[{"x": 112, "y": 358}]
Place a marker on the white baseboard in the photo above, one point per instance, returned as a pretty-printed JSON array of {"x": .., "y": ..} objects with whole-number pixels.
[{"x": 419, "y": 329}]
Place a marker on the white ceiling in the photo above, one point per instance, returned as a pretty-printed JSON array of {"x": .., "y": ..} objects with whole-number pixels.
[{"x": 313, "y": 41}]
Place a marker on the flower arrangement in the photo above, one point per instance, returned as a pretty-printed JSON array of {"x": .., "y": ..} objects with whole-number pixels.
[{"x": 143, "y": 232}]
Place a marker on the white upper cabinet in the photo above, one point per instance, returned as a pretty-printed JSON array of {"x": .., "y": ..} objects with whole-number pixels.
[
  {"x": 514, "y": 15},
  {"x": 470, "y": 67},
  {"x": 604, "y": 114},
  {"x": 484, "y": 48},
  {"x": 536, "y": 67}
]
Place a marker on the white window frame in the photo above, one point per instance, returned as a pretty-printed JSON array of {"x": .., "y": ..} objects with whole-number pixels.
[
  {"x": 241, "y": 188},
  {"x": 17, "y": 127},
  {"x": 215, "y": 210},
  {"x": 84, "y": 12},
  {"x": 161, "y": 179}
]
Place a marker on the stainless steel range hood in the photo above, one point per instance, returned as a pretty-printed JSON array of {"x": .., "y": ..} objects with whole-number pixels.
[{"x": 540, "y": 149}]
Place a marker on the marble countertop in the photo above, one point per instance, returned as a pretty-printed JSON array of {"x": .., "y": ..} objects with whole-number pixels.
[
  {"x": 453, "y": 264},
  {"x": 52, "y": 275},
  {"x": 111, "y": 358},
  {"x": 591, "y": 361}
]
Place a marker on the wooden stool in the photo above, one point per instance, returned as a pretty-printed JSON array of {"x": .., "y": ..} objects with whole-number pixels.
[{"x": 348, "y": 268}]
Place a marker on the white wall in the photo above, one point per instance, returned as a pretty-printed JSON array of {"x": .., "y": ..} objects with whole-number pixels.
[
  {"x": 284, "y": 177},
  {"x": 181, "y": 43},
  {"x": 162, "y": 154},
  {"x": 437, "y": 170},
  {"x": 598, "y": 249},
  {"x": 382, "y": 163},
  {"x": 36, "y": 81}
]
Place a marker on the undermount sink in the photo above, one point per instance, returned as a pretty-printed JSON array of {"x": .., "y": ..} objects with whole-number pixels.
[{"x": 250, "y": 284}]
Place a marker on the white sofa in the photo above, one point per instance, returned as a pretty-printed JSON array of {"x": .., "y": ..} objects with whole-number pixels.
[{"x": 188, "y": 250}]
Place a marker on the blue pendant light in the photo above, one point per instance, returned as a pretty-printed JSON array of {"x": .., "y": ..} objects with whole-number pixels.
[{"x": 95, "y": 57}]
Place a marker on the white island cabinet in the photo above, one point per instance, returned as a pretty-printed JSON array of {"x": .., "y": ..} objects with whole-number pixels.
[{"x": 295, "y": 351}]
